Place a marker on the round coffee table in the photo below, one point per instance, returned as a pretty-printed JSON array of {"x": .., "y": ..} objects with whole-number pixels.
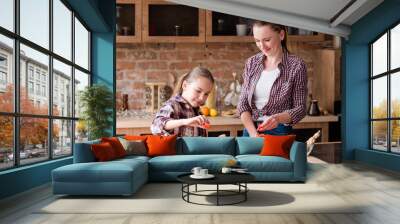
[{"x": 238, "y": 179}]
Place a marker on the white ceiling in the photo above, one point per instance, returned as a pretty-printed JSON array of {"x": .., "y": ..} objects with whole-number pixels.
[{"x": 315, "y": 15}]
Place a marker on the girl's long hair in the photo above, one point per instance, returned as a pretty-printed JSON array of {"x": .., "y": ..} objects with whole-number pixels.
[{"x": 191, "y": 76}]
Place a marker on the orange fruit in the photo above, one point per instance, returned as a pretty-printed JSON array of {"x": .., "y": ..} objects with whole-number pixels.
[
  {"x": 205, "y": 111},
  {"x": 213, "y": 112},
  {"x": 206, "y": 126}
]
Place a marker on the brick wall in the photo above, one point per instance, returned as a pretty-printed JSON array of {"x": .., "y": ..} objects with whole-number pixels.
[{"x": 140, "y": 63}]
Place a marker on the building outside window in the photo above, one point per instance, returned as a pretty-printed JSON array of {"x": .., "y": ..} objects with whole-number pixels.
[
  {"x": 58, "y": 133},
  {"x": 30, "y": 87},
  {"x": 385, "y": 96},
  {"x": 3, "y": 72}
]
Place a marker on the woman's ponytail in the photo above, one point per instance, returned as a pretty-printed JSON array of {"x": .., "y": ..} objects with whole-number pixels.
[{"x": 178, "y": 87}]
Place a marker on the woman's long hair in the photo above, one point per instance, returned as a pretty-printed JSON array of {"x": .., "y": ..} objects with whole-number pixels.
[{"x": 275, "y": 27}]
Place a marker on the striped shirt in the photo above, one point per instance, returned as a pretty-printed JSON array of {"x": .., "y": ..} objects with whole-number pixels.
[
  {"x": 288, "y": 93},
  {"x": 176, "y": 108}
]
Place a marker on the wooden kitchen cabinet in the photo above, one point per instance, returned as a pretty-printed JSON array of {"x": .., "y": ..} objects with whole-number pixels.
[
  {"x": 221, "y": 27},
  {"x": 172, "y": 23},
  {"x": 158, "y": 21},
  {"x": 129, "y": 21}
]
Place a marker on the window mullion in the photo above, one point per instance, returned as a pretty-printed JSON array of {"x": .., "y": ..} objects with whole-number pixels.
[
  {"x": 389, "y": 106},
  {"x": 50, "y": 81}
]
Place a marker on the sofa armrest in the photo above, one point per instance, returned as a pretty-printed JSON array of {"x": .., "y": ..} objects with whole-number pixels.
[
  {"x": 298, "y": 155},
  {"x": 83, "y": 152}
]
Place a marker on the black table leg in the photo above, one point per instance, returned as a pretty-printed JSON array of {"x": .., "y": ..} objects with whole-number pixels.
[
  {"x": 217, "y": 194},
  {"x": 245, "y": 193}
]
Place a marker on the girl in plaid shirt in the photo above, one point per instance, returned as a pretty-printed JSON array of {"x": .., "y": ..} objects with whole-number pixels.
[
  {"x": 180, "y": 114},
  {"x": 274, "y": 90}
]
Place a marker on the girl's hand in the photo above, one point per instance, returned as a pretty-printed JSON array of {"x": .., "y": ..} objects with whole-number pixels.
[
  {"x": 197, "y": 121},
  {"x": 270, "y": 123}
]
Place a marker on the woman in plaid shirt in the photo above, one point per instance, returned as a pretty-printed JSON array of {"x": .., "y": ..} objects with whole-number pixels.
[
  {"x": 274, "y": 91},
  {"x": 180, "y": 114}
]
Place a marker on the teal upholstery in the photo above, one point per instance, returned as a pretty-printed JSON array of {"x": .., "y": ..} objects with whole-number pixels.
[
  {"x": 202, "y": 145},
  {"x": 246, "y": 145},
  {"x": 179, "y": 164},
  {"x": 125, "y": 176},
  {"x": 83, "y": 152},
  {"x": 119, "y": 177},
  {"x": 259, "y": 163}
]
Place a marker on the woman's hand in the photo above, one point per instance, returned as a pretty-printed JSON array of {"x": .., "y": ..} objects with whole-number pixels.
[
  {"x": 268, "y": 124},
  {"x": 198, "y": 121}
]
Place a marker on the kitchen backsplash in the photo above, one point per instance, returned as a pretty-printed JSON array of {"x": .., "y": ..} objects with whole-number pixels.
[{"x": 166, "y": 62}]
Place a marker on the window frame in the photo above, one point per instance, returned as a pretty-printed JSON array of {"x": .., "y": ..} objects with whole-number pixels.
[
  {"x": 388, "y": 74},
  {"x": 16, "y": 114}
]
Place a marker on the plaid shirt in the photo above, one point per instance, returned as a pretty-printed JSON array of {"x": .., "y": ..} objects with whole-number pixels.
[
  {"x": 288, "y": 93},
  {"x": 176, "y": 108}
]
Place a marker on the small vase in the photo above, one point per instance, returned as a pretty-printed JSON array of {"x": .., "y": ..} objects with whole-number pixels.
[{"x": 314, "y": 109}]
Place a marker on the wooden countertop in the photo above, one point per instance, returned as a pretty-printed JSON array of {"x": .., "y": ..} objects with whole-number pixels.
[{"x": 216, "y": 121}]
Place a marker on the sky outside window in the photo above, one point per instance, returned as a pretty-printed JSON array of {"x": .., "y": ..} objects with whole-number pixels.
[{"x": 7, "y": 14}]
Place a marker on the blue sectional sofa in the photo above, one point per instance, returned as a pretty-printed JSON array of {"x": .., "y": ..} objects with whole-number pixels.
[{"x": 125, "y": 176}]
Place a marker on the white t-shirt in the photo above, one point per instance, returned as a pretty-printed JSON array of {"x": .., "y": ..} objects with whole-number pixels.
[{"x": 264, "y": 86}]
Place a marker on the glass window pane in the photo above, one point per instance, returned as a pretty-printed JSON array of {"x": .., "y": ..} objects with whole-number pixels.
[
  {"x": 62, "y": 89},
  {"x": 379, "y": 135},
  {"x": 81, "y": 81},
  {"x": 33, "y": 140},
  {"x": 395, "y": 47},
  {"x": 379, "y": 97},
  {"x": 62, "y": 138},
  {"x": 81, "y": 131},
  {"x": 81, "y": 45},
  {"x": 395, "y": 95},
  {"x": 62, "y": 29},
  {"x": 379, "y": 55},
  {"x": 395, "y": 136},
  {"x": 35, "y": 21},
  {"x": 7, "y": 14},
  {"x": 34, "y": 97},
  {"x": 6, "y": 74},
  {"x": 6, "y": 142}
]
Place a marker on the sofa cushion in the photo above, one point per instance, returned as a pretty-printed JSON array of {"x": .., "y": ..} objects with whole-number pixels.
[
  {"x": 161, "y": 145},
  {"x": 277, "y": 145},
  {"x": 116, "y": 145},
  {"x": 248, "y": 145},
  {"x": 210, "y": 145},
  {"x": 83, "y": 152},
  {"x": 134, "y": 147},
  {"x": 257, "y": 163},
  {"x": 103, "y": 151},
  {"x": 185, "y": 163},
  {"x": 136, "y": 137},
  {"x": 116, "y": 170}
]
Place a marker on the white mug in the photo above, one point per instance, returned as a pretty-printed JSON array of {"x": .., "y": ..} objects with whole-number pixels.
[
  {"x": 196, "y": 170},
  {"x": 203, "y": 172},
  {"x": 226, "y": 170},
  {"x": 241, "y": 29}
]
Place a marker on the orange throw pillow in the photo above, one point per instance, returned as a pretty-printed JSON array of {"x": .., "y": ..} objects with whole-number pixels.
[
  {"x": 277, "y": 145},
  {"x": 136, "y": 137},
  {"x": 103, "y": 151},
  {"x": 161, "y": 145},
  {"x": 116, "y": 145}
]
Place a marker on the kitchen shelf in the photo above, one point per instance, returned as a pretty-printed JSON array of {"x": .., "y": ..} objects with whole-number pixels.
[
  {"x": 168, "y": 22},
  {"x": 129, "y": 21},
  {"x": 225, "y": 31},
  {"x": 214, "y": 32}
]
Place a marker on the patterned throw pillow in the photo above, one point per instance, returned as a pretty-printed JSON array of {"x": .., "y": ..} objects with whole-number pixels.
[{"x": 134, "y": 147}]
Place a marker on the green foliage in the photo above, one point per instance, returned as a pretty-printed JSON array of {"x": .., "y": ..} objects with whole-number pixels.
[
  {"x": 380, "y": 127},
  {"x": 96, "y": 102}
]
